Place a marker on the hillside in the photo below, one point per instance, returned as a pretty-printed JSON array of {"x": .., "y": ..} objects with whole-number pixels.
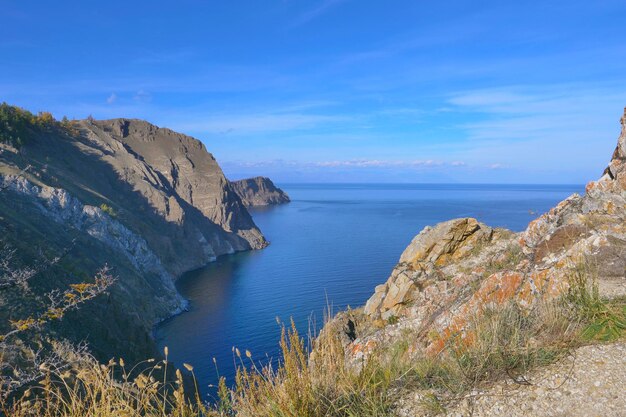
[
  {"x": 149, "y": 202},
  {"x": 473, "y": 320}
]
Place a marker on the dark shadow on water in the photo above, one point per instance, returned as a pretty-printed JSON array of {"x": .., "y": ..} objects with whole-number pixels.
[
  {"x": 330, "y": 244},
  {"x": 202, "y": 331}
]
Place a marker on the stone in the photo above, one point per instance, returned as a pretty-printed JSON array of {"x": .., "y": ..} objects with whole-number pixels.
[
  {"x": 165, "y": 185},
  {"x": 148, "y": 202},
  {"x": 259, "y": 191},
  {"x": 433, "y": 246},
  {"x": 617, "y": 166},
  {"x": 452, "y": 272}
]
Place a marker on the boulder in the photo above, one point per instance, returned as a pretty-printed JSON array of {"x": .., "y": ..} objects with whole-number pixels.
[{"x": 452, "y": 272}]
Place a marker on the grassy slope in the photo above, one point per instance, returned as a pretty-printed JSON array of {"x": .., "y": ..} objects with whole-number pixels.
[{"x": 508, "y": 343}]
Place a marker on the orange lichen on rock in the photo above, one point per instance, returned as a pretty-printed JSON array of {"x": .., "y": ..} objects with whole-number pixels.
[
  {"x": 361, "y": 349},
  {"x": 496, "y": 290},
  {"x": 452, "y": 272}
]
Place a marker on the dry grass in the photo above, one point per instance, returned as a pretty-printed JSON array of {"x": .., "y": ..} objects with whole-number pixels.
[
  {"x": 317, "y": 384},
  {"x": 505, "y": 343},
  {"x": 112, "y": 390},
  {"x": 603, "y": 320}
]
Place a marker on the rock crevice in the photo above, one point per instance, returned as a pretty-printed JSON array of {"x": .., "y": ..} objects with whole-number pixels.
[{"x": 452, "y": 272}]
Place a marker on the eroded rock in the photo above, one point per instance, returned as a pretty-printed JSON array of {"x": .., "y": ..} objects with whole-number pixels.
[
  {"x": 452, "y": 272},
  {"x": 259, "y": 191}
]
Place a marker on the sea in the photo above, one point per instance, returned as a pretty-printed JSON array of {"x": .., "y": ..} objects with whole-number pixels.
[{"x": 328, "y": 249}]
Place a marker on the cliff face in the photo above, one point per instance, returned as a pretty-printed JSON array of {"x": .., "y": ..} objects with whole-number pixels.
[
  {"x": 163, "y": 185},
  {"x": 149, "y": 202},
  {"x": 44, "y": 223},
  {"x": 183, "y": 185},
  {"x": 259, "y": 191},
  {"x": 452, "y": 272}
]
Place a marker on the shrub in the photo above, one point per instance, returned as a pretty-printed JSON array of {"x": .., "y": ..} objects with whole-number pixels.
[
  {"x": 18, "y": 126},
  {"x": 603, "y": 320},
  {"x": 504, "y": 342},
  {"x": 108, "y": 210},
  {"x": 112, "y": 390},
  {"x": 318, "y": 384}
]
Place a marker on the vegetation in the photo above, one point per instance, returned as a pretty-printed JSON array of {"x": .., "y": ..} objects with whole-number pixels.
[
  {"x": 503, "y": 343},
  {"x": 602, "y": 320},
  {"x": 18, "y": 126},
  {"x": 91, "y": 389},
  {"x": 27, "y": 350},
  {"x": 108, "y": 210}
]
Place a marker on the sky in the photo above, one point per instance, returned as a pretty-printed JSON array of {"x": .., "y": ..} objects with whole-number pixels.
[{"x": 339, "y": 90}]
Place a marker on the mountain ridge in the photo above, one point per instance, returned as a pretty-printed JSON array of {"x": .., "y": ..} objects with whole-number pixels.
[{"x": 156, "y": 199}]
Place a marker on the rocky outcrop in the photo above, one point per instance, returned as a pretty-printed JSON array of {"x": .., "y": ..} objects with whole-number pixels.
[
  {"x": 422, "y": 259},
  {"x": 454, "y": 271},
  {"x": 617, "y": 166},
  {"x": 60, "y": 207},
  {"x": 163, "y": 185},
  {"x": 181, "y": 182},
  {"x": 259, "y": 191},
  {"x": 149, "y": 202}
]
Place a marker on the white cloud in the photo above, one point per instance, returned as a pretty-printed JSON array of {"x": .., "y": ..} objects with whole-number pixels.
[
  {"x": 142, "y": 96},
  {"x": 112, "y": 98},
  {"x": 311, "y": 14},
  {"x": 500, "y": 100},
  {"x": 256, "y": 123},
  {"x": 375, "y": 163},
  {"x": 354, "y": 163},
  {"x": 565, "y": 101},
  {"x": 569, "y": 127}
]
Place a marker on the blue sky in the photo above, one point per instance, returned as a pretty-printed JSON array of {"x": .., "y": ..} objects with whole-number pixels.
[{"x": 339, "y": 90}]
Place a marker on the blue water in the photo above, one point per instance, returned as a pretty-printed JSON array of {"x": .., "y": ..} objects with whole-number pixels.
[{"x": 332, "y": 244}]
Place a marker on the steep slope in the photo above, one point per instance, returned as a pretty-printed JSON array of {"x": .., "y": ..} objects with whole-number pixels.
[
  {"x": 451, "y": 273},
  {"x": 43, "y": 223},
  {"x": 163, "y": 185},
  {"x": 149, "y": 202},
  {"x": 259, "y": 191}
]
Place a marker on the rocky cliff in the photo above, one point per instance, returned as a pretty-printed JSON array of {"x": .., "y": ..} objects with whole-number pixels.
[
  {"x": 163, "y": 185},
  {"x": 183, "y": 185},
  {"x": 259, "y": 191},
  {"x": 451, "y": 273},
  {"x": 149, "y": 202}
]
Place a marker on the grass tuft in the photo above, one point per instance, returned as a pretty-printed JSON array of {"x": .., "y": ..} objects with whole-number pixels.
[{"x": 507, "y": 342}]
